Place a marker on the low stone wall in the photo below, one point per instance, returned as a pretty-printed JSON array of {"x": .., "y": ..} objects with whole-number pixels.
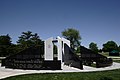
[
  {"x": 32, "y": 64},
  {"x": 105, "y": 63}
]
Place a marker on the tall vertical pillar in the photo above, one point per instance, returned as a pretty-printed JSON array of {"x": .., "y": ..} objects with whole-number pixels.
[
  {"x": 48, "y": 49},
  {"x": 59, "y": 46}
]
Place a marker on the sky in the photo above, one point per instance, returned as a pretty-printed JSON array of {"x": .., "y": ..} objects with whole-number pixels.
[{"x": 98, "y": 21}]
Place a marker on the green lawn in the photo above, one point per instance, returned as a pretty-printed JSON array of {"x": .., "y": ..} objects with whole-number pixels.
[
  {"x": 104, "y": 75},
  {"x": 105, "y": 54},
  {"x": 118, "y": 61}
]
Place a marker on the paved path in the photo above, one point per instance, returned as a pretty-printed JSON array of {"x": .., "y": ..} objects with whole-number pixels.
[
  {"x": 5, "y": 72},
  {"x": 117, "y": 57},
  {"x": 114, "y": 57}
]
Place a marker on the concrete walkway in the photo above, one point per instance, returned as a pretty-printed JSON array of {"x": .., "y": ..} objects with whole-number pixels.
[{"x": 5, "y": 72}]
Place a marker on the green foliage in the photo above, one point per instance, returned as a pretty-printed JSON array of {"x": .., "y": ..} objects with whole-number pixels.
[
  {"x": 106, "y": 78},
  {"x": 72, "y": 35},
  {"x": 11, "y": 50},
  {"x": 5, "y": 40},
  {"x": 28, "y": 39},
  {"x": 103, "y": 75},
  {"x": 109, "y": 46},
  {"x": 118, "y": 61},
  {"x": 93, "y": 47},
  {"x": 77, "y": 50},
  {"x": 5, "y": 44}
]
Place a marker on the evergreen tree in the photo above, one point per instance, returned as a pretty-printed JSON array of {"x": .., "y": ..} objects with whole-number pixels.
[
  {"x": 5, "y": 43},
  {"x": 28, "y": 39}
]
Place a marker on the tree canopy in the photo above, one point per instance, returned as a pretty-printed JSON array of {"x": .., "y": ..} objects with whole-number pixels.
[
  {"x": 28, "y": 39},
  {"x": 93, "y": 47},
  {"x": 109, "y": 46},
  {"x": 5, "y": 44},
  {"x": 73, "y": 35},
  {"x": 5, "y": 40}
]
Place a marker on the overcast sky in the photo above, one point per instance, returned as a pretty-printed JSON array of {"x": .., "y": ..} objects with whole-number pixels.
[{"x": 97, "y": 20}]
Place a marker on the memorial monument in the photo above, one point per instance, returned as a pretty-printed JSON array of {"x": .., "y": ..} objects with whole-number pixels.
[{"x": 32, "y": 59}]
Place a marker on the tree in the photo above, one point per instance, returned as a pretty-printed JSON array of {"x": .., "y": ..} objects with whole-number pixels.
[
  {"x": 13, "y": 49},
  {"x": 28, "y": 39},
  {"x": 5, "y": 43},
  {"x": 5, "y": 40},
  {"x": 93, "y": 47},
  {"x": 72, "y": 35},
  {"x": 109, "y": 46}
]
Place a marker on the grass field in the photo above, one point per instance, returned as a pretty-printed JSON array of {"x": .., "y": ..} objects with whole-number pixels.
[
  {"x": 105, "y": 75},
  {"x": 118, "y": 61},
  {"x": 105, "y": 54}
]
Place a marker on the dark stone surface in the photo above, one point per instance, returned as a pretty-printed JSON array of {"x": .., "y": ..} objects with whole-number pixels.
[
  {"x": 30, "y": 59},
  {"x": 71, "y": 59},
  {"x": 88, "y": 57}
]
